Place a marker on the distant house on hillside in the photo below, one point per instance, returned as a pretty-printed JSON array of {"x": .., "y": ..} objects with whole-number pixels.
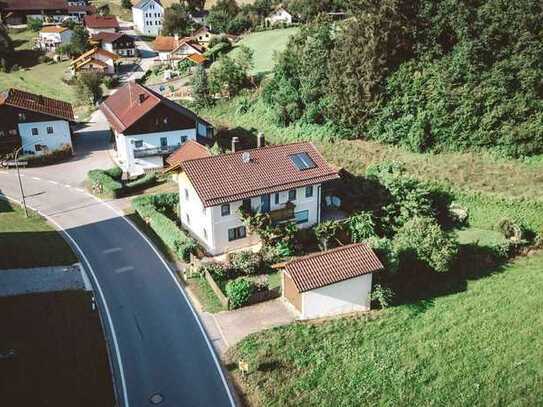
[
  {"x": 118, "y": 43},
  {"x": 96, "y": 60},
  {"x": 284, "y": 181},
  {"x": 203, "y": 35},
  {"x": 38, "y": 123},
  {"x": 97, "y": 24},
  {"x": 171, "y": 49},
  {"x": 279, "y": 16},
  {"x": 148, "y": 127},
  {"x": 199, "y": 16},
  {"x": 147, "y": 16},
  {"x": 51, "y": 37},
  {"x": 14, "y": 12}
]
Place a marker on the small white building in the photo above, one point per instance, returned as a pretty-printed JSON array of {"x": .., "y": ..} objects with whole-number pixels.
[
  {"x": 96, "y": 24},
  {"x": 95, "y": 60},
  {"x": 51, "y": 37},
  {"x": 37, "y": 123},
  {"x": 329, "y": 283},
  {"x": 147, "y": 16},
  {"x": 118, "y": 43},
  {"x": 284, "y": 181},
  {"x": 203, "y": 35},
  {"x": 147, "y": 127},
  {"x": 279, "y": 16}
]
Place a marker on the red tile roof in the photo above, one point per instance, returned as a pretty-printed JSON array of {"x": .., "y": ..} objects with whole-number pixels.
[
  {"x": 197, "y": 58},
  {"x": 37, "y": 103},
  {"x": 14, "y": 5},
  {"x": 108, "y": 37},
  {"x": 190, "y": 150},
  {"x": 227, "y": 178},
  {"x": 333, "y": 266},
  {"x": 133, "y": 101},
  {"x": 54, "y": 29},
  {"x": 170, "y": 44},
  {"x": 96, "y": 21}
]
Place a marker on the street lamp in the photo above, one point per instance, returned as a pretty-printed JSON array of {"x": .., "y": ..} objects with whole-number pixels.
[{"x": 19, "y": 173}]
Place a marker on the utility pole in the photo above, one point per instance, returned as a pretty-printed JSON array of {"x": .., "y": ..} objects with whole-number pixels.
[{"x": 19, "y": 174}]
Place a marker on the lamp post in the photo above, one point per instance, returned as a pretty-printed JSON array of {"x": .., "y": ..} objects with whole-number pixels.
[{"x": 19, "y": 174}]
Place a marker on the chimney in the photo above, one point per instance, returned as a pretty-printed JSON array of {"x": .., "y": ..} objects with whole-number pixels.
[
  {"x": 141, "y": 97},
  {"x": 235, "y": 141},
  {"x": 260, "y": 141},
  {"x": 176, "y": 38}
]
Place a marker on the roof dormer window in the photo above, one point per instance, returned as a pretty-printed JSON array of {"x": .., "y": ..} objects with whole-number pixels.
[{"x": 302, "y": 161}]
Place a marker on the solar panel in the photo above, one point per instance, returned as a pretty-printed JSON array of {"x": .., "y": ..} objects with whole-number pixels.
[{"x": 302, "y": 161}]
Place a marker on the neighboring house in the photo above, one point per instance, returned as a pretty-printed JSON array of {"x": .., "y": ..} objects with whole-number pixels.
[
  {"x": 118, "y": 43},
  {"x": 171, "y": 49},
  {"x": 14, "y": 12},
  {"x": 147, "y": 16},
  {"x": 199, "y": 16},
  {"x": 147, "y": 127},
  {"x": 38, "y": 123},
  {"x": 96, "y": 24},
  {"x": 96, "y": 60},
  {"x": 188, "y": 151},
  {"x": 284, "y": 181},
  {"x": 332, "y": 282},
  {"x": 279, "y": 16},
  {"x": 51, "y": 37},
  {"x": 203, "y": 35}
]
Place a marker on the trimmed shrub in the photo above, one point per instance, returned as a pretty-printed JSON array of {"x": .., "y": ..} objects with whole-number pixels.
[
  {"x": 142, "y": 183},
  {"x": 239, "y": 291},
  {"x": 246, "y": 262},
  {"x": 217, "y": 271},
  {"x": 102, "y": 184},
  {"x": 115, "y": 172}
]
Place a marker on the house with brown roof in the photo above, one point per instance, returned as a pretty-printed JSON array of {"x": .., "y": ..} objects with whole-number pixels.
[
  {"x": 118, "y": 43},
  {"x": 95, "y": 60},
  {"x": 96, "y": 23},
  {"x": 332, "y": 282},
  {"x": 16, "y": 12},
  {"x": 174, "y": 49},
  {"x": 52, "y": 36},
  {"x": 203, "y": 35},
  {"x": 38, "y": 123},
  {"x": 284, "y": 180},
  {"x": 148, "y": 127}
]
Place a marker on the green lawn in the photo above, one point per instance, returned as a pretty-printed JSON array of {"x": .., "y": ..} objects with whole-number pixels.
[
  {"x": 483, "y": 237},
  {"x": 30, "y": 242},
  {"x": 481, "y": 346},
  {"x": 265, "y": 44},
  {"x": 207, "y": 298}
]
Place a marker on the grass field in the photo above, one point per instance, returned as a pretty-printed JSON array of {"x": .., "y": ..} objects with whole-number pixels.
[
  {"x": 116, "y": 9},
  {"x": 481, "y": 346},
  {"x": 44, "y": 79},
  {"x": 60, "y": 354},
  {"x": 265, "y": 44},
  {"x": 30, "y": 242}
]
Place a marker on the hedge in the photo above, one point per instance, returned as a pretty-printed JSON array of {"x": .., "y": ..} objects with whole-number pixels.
[
  {"x": 149, "y": 207},
  {"x": 142, "y": 183},
  {"x": 52, "y": 157},
  {"x": 102, "y": 184}
]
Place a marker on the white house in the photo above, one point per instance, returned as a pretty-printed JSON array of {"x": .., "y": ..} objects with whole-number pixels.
[
  {"x": 199, "y": 16},
  {"x": 147, "y": 16},
  {"x": 279, "y": 16},
  {"x": 171, "y": 49},
  {"x": 96, "y": 24},
  {"x": 284, "y": 181},
  {"x": 329, "y": 283},
  {"x": 203, "y": 35},
  {"x": 96, "y": 60},
  {"x": 118, "y": 43},
  {"x": 51, "y": 37},
  {"x": 37, "y": 123},
  {"x": 147, "y": 127}
]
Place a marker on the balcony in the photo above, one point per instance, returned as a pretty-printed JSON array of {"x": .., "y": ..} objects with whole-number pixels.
[
  {"x": 283, "y": 214},
  {"x": 149, "y": 152}
]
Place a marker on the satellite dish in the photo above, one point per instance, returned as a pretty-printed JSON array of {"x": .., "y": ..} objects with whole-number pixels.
[{"x": 246, "y": 157}]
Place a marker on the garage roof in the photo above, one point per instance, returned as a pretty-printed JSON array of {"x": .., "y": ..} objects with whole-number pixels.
[{"x": 333, "y": 266}]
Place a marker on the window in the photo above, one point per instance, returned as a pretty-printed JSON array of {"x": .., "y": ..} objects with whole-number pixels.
[
  {"x": 49, "y": 129},
  {"x": 163, "y": 142},
  {"x": 302, "y": 216},
  {"x": 183, "y": 139},
  {"x": 12, "y": 132},
  {"x": 138, "y": 143},
  {"x": 37, "y": 147},
  {"x": 2, "y": 134},
  {"x": 302, "y": 161},
  {"x": 35, "y": 131},
  {"x": 22, "y": 117},
  {"x": 309, "y": 191},
  {"x": 225, "y": 210},
  {"x": 187, "y": 217},
  {"x": 276, "y": 198},
  {"x": 186, "y": 194},
  {"x": 292, "y": 195},
  {"x": 165, "y": 120},
  {"x": 246, "y": 204},
  {"x": 236, "y": 233}
]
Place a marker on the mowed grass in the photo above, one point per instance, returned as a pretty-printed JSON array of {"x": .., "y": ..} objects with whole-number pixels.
[
  {"x": 44, "y": 79},
  {"x": 30, "y": 242},
  {"x": 482, "y": 346},
  {"x": 265, "y": 45},
  {"x": 60, "y": 354}
]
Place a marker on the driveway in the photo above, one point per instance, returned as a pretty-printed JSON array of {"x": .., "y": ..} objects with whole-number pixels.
[{"x": 158, "y": 348}]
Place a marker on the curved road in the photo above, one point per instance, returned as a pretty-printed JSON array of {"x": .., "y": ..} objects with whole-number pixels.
[{"x": 156, "y": 341}]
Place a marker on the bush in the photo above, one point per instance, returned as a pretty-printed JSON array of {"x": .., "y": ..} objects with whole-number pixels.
[
  {"x": 382, "y": 295},
  {"x": 115, "y": 172},
  {"x": 44, "y": 59},
  {"x": 111, "y": 82},
  {"x": 217, "y": 271},
  {"x": 239, "y": 291},
  {"x": 246, "y": 262},
  {"x": 361, "y": 226},
  {"x": 35, "y": 24},
  {"x": 142, "y": 183},
  {"x": 102, "y": 184},
  {"x": 385, "y": 251},
  {"x": 48, "y": 158},
  {"x": 511, "y": 230}
]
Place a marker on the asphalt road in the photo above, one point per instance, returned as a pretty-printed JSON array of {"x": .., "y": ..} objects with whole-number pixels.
[{"x": 157, "y": 344}]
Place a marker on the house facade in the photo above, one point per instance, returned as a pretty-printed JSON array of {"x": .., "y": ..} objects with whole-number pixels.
[
  {"x": 332, "y": 282},
  {"x": 96, "y": 24},
  {"x": 118, "y": 43},
  {"x": 15, "y": 12},
  {"x": 279, "y": 16},
  {"x": 284, "y": 181},
  {"x": 174, "y": 49},
  {"x": 147, "y": 16},
  {"x": 148, "y": 127},
  {"x": 51, "y": 37},
  {"x": 203, "y": 35},
  {"x": 37, "y": 123}
]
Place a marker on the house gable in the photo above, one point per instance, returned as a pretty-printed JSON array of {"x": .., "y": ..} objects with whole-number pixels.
[{"x": 161, "y": 118}]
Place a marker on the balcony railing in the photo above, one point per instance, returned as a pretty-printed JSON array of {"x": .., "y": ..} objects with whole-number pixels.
[
  {"x": 148, "y": 152},
  {"x": 283, "y": 214}
]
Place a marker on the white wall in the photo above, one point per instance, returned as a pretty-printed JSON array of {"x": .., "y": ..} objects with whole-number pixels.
[
  {"x": 107, "y": 60},
  {"x": 92, "y": 31},
  {"x": 148, "y": 20},
  {"x": 60, "y": 137},
  {"x": 343, "y": 297}
]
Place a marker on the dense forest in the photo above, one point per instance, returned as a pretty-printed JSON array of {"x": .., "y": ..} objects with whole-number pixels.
[{"x": 429, "y": 75}]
